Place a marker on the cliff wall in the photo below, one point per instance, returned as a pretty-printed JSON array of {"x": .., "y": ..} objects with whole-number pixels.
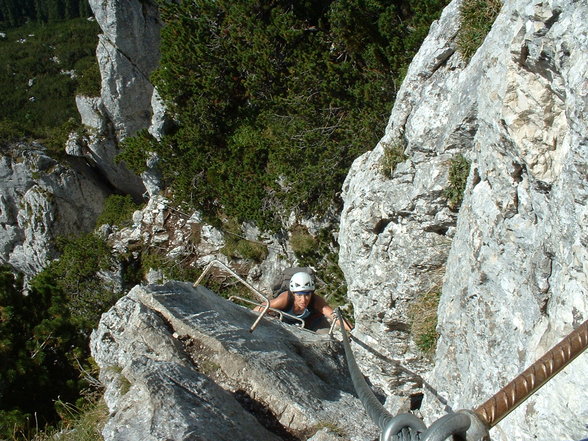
[
  {"x": 41, "y": 199},
  {"x": 511, "y": 262}
]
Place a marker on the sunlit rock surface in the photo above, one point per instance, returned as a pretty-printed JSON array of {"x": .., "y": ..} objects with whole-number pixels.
[
  {"x": 512, "y": 262},
  {"x": 41, "y": 199},
  {"x": 180, "y": 363}
]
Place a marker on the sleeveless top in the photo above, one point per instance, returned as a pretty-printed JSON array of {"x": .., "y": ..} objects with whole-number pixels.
[{"x": 308, "y": 312}]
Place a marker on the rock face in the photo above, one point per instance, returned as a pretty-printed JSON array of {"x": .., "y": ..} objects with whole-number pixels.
[
  {"x": 127, "y": 53},
  {"x": 512, "y": 262},
  {"x": 99, "y": 146},
  {"x": 164, "y": 352},
  {"x": 39, "y": 200},
  {"x": 396, "y": 232}
]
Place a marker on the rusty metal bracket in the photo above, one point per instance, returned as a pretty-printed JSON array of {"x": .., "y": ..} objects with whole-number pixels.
[
  {"x": 402, "y": 427},
  {"x": 465, "y": 424}
]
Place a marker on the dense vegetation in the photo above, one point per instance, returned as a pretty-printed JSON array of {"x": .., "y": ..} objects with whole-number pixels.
[
  {"x": 477, "y": 17},
  {"x": 43, "y": 67},
  {"x": 17, "y": 12},
  {"x": 274, "y": 100},
  {"x": 44, "y": 331}
]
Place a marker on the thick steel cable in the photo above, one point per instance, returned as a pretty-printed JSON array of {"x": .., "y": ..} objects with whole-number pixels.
[
  {"x": 403, "y": 427},
  {"x": 527, "y": 383},
  {"x": 379, "y": 415}
]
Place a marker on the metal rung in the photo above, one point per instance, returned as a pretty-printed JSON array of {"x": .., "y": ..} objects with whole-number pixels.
[
  {"x": 279, "y": 312},
  {"x": 264, "y": 300}
]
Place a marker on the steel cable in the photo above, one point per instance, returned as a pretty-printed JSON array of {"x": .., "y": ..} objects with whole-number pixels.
[{"x": 402, "y": 427}]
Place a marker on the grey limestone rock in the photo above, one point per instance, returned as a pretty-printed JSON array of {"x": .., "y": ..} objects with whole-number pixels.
[
  {"x": 98, "y": 145},
  {"x": 161, "y": 346},
  {"x": 41, "y": 199},
  {"x": 511, "y": 262},
  {"x": 127, "y": 52}
]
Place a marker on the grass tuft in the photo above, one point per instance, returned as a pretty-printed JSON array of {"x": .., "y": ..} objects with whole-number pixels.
[
  {"x": 423, "y": 314},
  {"x": 393, "y": 155},
  {"x": 477, "y": 18},
  {"x": 459, "y": 169}
]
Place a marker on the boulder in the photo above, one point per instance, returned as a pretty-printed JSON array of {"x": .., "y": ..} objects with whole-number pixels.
[
  {"x": 180, "y": 362},
  {"x": 41, "y": 199}
]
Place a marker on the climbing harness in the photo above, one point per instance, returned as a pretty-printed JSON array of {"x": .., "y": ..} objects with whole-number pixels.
[{"x": 464, "y": 424}]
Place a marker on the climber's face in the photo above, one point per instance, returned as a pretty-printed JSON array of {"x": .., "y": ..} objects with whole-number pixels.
[{"x": 302, "y": 299}]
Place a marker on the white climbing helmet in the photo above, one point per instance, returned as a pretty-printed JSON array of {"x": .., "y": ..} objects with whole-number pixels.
[{"x": 301, "y": 282}]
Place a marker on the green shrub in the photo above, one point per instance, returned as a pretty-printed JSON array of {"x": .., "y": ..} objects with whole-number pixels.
[
  {"x": 118, "y": 210},
  {"x": 82, "y": 421},
  {"x": 255, "y": 251},
  {"x": 273, "y": 102},
  {"x": 56, "y": 137},
  {"x": 244, "y": 249},
  {"x": 477, "y": 18},
  {"x": 135, "y": 150},
  {"x": 36, "y": 93},
  {"x": 393, "y": 155},
  {"x": 171, "y": 268},
  {"x": 89, "y": 80},
  {"x": 41, "y": 343},
  {"x": 11, "y": 132},
  {"x": 16, "y": 12},
  {"x": 459, "y": 170},
  {"x": 302, "y": 242},
  {"x": 76, "y": 273},
  {"x": 236, "y": 246}
]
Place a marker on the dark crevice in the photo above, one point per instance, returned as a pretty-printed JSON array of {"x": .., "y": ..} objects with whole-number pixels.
[
  {"x": 381, "y": 226},
  {"x": 263, "y": 415},
  {"x": 437, "y": 229},
  {"x": 416, "y": 400},
  {"x": 553, "y": 19},
  {"x": 396, "y": 325},
  {"x": 542, "y": 187},
  {"x": 476, "y": 179},
  {"x": 518, "y": 171}
]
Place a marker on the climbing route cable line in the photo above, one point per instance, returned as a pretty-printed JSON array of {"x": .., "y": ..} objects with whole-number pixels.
[{"x": 466, "y": 424}]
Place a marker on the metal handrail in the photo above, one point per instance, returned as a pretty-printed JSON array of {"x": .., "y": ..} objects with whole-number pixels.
[
  {"x": 265, "y": 300},
  {"x": 279, "y": 312},
  {"x": 466, "y": 424}
]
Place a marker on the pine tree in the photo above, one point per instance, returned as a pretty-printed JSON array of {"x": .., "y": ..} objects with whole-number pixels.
[
  {"x": 274, "y": 100},
  {"x": 9, "y": 11},
  {"x": 37, "y": 335}
]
